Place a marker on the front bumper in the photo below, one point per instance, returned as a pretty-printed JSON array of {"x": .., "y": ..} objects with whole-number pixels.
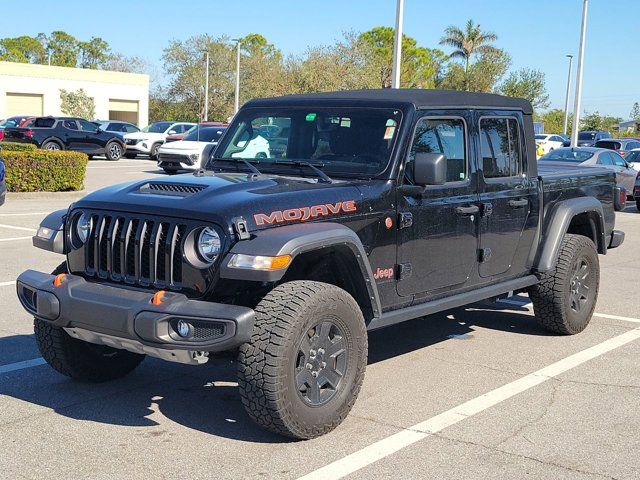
[
  {"x": 128, "y": 319},
  {"x": 143, "y": 146}
]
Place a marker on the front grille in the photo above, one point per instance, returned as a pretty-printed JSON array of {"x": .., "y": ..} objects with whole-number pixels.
[
  {"x": 130, "y": 141},
  {"x": 175, "y": 158},
  {"x": 137, "y": 251},
  {"x": 207, "y": 330}
]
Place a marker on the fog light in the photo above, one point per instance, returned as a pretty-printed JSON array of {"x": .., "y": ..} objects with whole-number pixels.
[{"x": 183, "y": 328}]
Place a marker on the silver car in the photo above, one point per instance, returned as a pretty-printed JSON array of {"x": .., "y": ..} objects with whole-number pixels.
[{"x": 594, "y": 157}]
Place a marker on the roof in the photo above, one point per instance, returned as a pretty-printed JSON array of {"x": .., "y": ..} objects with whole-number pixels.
[{"x": 417, "y": 97}]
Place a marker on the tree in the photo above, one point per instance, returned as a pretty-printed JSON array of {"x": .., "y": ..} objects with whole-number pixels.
[
  {"x": 483, "y": 74},
  {"x": 94, "y": 53},
  {"x": 22, "y": 49},
  {"x": 635, "y": 112},
  {"x": 118, "y": 62},
  {"x": 527, "y": 83},
  {"x": 595, "y": 121},
  {"x": 419, "y": 65},
  {"x": 62, "y": 47},
  {"x": 553, "y": 121},
  {"x": 77, "y": 104},
  {"x": 468, "y": 43}
]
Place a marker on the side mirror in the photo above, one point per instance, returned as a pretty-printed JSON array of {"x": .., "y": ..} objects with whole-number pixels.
[
  {"x": 430, "y": 169},
  {"x": 172, "y": 132},
  {"x": 99, "y": 130}
]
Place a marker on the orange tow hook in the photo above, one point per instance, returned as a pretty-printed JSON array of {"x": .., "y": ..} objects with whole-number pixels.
[
  {"x": 158, "y": 297},
  {"x": 57, "y": 281}
]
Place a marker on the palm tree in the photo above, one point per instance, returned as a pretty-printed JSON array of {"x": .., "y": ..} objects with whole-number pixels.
[{"x": 469, "y": 42}]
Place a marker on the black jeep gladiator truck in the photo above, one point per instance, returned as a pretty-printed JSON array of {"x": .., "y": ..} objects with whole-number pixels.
[
  {"x": 68, "y": 133},
  {"x": 375, "y": 207}
]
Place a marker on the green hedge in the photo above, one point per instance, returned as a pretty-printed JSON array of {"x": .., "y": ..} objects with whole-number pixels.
[
  {"x": 44, "y": 170},
  {"x": 17, "y": 147}
]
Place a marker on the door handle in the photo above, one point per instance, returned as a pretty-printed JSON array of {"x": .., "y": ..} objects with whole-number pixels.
[
  {"x": 523, "y": 202},
  {"x": 470, "y": 210}
]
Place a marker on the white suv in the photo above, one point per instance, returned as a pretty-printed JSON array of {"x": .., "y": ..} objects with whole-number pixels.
[{"x": 150, "y": 138}]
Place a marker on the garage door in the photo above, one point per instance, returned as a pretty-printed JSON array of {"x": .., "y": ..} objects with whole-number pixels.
[
  {"x": 123, "y": 110},
  {"x": 23, "y": 104}
]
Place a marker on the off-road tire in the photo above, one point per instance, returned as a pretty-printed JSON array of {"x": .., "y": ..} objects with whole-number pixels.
[
  {"x": 267, "y": 363},
  {"x": 552, "y": 296},
  {"x": 80, "y": 360},
  {"x": 130, "y": 155},
  {"x": 153, "y": 151}
]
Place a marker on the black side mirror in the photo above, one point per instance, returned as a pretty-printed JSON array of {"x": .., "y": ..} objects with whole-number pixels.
[{"x": 430, "y": 169}]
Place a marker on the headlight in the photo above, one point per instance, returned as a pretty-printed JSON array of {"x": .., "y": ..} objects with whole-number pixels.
[
  {"x": 83, "y": 227},
  {"x": 208, "y": 244},
  {"x": 194, "y": 156}
]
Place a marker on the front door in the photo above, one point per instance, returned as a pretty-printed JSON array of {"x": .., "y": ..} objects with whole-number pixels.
[
  {"x": 437, "y": 237},
  {"x": 507, "y": 196},
  {"x": 93, "y": 142}
]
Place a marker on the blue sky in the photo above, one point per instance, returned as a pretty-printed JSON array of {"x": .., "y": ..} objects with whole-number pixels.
[{"x": 537, "y": 33}]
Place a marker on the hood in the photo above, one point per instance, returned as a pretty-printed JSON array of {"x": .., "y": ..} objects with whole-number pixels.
[
  {"x": 142, "y": 135},
  {"x": 182, "y": 146},
  {"x": 219, "y": 198}
]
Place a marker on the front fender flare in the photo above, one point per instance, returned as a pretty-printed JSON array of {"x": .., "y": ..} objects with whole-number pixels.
[
  {"x": 54, "y": 222},
  {"x": 297, "y": 239},
  {"x": 561, "y": 217}
]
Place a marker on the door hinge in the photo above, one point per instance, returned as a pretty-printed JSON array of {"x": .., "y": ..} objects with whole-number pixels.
[
  {"x": 487, "y": 209},
  {"x": 404, "y": 271},
  {"x": 405, "y": 220},
  {"x": 484, "y": 255}
]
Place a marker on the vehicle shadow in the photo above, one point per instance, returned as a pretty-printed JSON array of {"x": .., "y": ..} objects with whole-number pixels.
[{"x": 205, "y": 398}]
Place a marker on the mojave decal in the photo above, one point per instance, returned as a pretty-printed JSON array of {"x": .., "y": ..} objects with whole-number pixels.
[{"x": 303, "y": 214}]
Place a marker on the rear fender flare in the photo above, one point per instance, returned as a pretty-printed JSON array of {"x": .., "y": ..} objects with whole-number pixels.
[
  {"x": 561, "y": 217},
  {"x": 295, "y": 240}
]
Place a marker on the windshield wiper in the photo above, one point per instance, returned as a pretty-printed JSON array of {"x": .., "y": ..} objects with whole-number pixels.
[
  {"x": 302, "y": 163},
  {"x": 248, "y": 164}
]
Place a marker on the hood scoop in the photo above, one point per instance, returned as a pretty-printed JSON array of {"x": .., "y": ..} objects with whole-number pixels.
[{"x": 171, "y": 189}]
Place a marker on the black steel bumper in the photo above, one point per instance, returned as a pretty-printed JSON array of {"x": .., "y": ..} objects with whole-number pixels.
[
  {"x": 130, "y": 314},
  {"x": 617, "y": 237}
]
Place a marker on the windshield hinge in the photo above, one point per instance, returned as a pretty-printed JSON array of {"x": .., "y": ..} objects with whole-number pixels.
[{"x": 241, "y": 229}]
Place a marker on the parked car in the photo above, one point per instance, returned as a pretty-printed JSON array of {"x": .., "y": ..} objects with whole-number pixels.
[
  {"x": 375, "y": 214},
  {"x": 187, "y": 154},
  {"x": 594, "y": 157},
  {"x": 549, "y": 142},
  {"x": 636, "y": 192},
  {"x": 150, "y": 138},
  {"x": 3, "y": 185},
  {"x": 116, "y": 126},
  {"x": 180, "y": 136},
  {"x": 588, "y": 137},
  {"x": 11, "y": 122},
  {"x": 633, "y": 159},
  {"x": 620, "y": 145},
  {"x": 68, "y": 133}
]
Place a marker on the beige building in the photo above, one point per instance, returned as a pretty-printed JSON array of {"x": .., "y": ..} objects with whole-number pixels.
[{"x": 27, "y": 89}]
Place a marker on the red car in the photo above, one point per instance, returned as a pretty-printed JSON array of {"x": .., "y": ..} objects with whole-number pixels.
[{"x": 180, "y": 136}]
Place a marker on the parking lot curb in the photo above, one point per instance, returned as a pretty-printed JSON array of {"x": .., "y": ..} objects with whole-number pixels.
[{"x": 11, "y": 196}]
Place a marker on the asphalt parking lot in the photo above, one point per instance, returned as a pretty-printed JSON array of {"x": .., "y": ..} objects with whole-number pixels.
[{"x": 475, "y": 393}]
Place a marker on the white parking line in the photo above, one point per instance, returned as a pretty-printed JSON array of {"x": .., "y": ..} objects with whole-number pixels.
[
  {"x": 6, "y": 284},
  {"x": 14, "y": 238},
  {"x": 387, "y": 446},
  {"x": 12, "y": 367},
  {"x": 617, "y": 317},
  {"x": 23, "y": 214},
  {"x": 25, "y": 229},
  {"x": 119, "y": 166}
]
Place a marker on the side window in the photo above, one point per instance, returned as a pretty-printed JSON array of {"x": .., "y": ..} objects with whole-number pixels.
[
  {"x": 618, "y": 160},
  {"x": 87, "y": 126},
  {"x": 129, "y": 128},
  {"x": 501, "y": 151},
  {"x": 441, "y": 135},
  {"x": 605, "y": 159},
  {"x": 70, "y": 124}
]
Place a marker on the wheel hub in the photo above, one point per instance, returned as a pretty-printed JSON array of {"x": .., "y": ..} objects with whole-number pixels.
[
  {"x": 579, "y": 286},
  {"x": 321, "y": 363}
]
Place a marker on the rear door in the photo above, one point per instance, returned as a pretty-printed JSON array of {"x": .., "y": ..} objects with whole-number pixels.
[
  {"x": 437, "y": 236},
  {"x": 72, "y": 135},
  {"x": 625, "y": 174},
  {"x": 507, "y": 195}
]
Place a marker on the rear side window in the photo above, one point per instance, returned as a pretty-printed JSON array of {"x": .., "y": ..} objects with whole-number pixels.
[
  {"x": 44, "y": 122},
  {"x": 446, "y": 136},
  {"x": 501, "y": 150}
]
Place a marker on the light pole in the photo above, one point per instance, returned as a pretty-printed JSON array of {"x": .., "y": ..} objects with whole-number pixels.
[
  {"x": 206, "y": 86},
  {"x": 397, "y": 46},
  {"x": 576, "y": 104},
  {"x": 566, "y": 98},
  {"x": 236, "y": 100}
]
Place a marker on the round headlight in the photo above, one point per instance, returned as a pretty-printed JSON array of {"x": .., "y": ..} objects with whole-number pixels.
[
  {"x": 83, "y": 227},
  {"x": 208, "y": 244}
]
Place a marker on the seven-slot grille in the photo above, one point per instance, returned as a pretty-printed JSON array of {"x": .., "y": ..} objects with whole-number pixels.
[{"x": 133, "y": 250}]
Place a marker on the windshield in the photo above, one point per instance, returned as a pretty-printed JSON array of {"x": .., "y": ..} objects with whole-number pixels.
[
  {"x": 350, "y": 141},
  {"x": 633, "y": 157},
  {"x": 157, "y": 127},
  {"x": 609, "y": 145},
  {"x": 586, "y": 136},
  {"x": 567, "y": 155},
  {"x": 205, "y": 134}
]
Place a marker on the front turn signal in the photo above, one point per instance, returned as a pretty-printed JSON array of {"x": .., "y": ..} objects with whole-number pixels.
[
  {"x": 158, "y": 297},
  {"x": 58, "y": 279},
  {"x": 259, "y": 262}
]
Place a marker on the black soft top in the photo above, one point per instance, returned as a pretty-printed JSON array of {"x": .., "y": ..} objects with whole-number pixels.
[{"x": 396, "y": 97}]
